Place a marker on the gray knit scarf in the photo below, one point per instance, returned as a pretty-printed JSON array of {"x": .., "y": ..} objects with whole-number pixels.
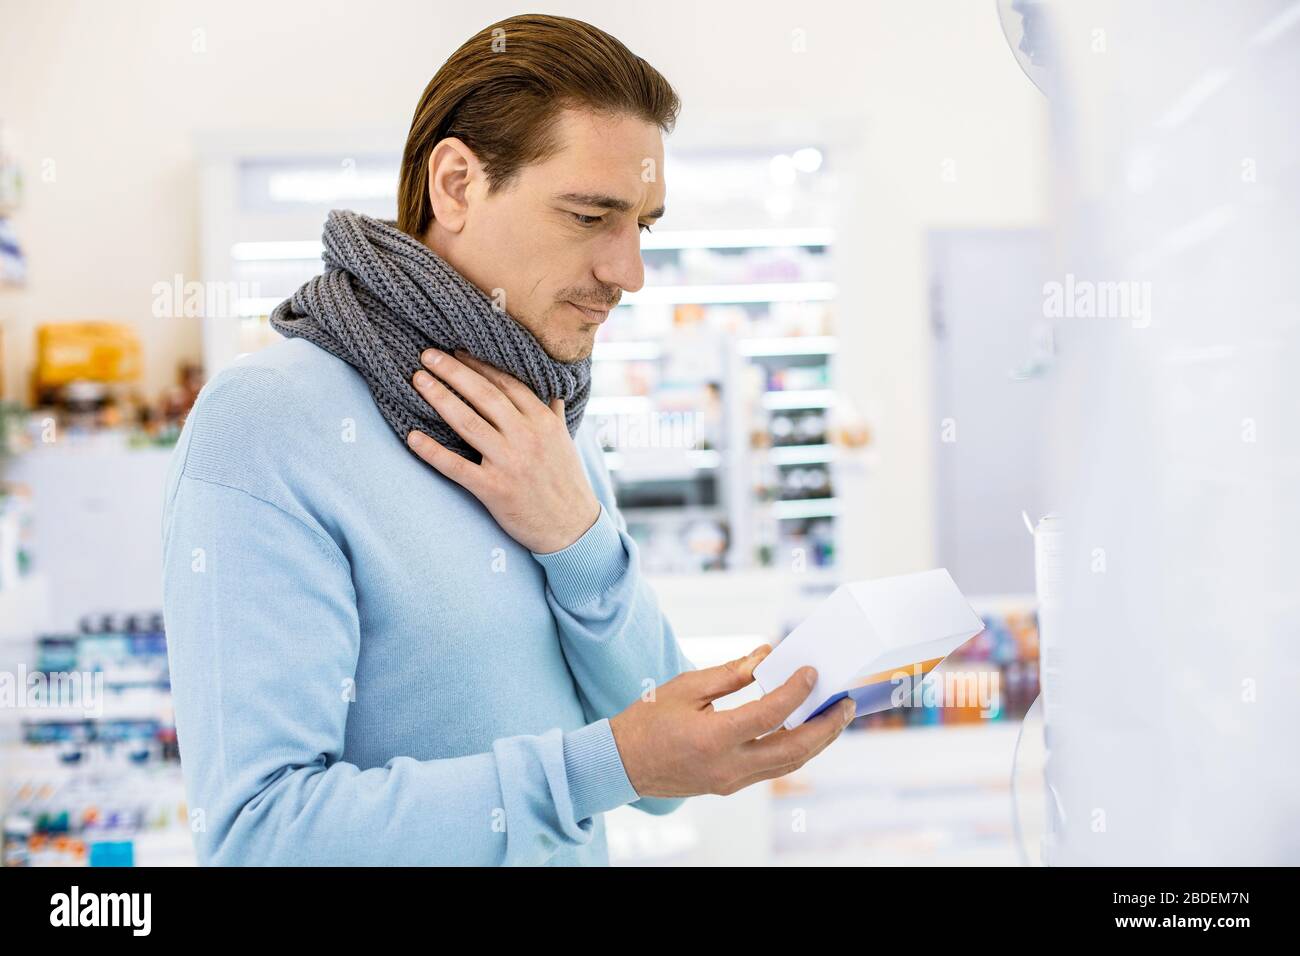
[{"x": 385, "y": 297}]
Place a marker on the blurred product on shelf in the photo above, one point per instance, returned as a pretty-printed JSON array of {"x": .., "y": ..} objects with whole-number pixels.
[
  {"x": 786, "y": 482},
  {"x": 797, "y": 544},
  {"x": 802, "y": 427},
  {"x": 16, "y": 558},
  {"x": 13, "y": 265},
  {"x": 73, "y": 353},
  {"x": 761, "y": 326},
  {"x": 805, "y": 426},
  {"x": 679, "y": 541},
  {"x": 793, "y": 320},
  {"x": 1002, "y": 657},
  {"x": 735, "y": 266},
  {"x": 796, "y": 378},
  {"x": 11, "y": 175},
  {"x": 95, "y": 778},
  {"x": 110, "y": 813},
  {"x": 706, "y": 543},
  {"x": 848, "y": 427},
  {"x": 175, "y": 403},
  {"x": 86, "y": 382},
  {"x": 16, "y": 424},
  {"x": 85, "y": 372}
]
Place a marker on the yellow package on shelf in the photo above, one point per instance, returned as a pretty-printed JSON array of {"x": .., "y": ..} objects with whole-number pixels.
[{"x": 94, "y": 351}]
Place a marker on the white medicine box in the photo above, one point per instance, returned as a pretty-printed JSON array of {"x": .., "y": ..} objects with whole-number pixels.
[{"x": 870, "y": 636}]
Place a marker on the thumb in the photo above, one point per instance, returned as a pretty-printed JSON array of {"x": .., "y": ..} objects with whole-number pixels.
[
  {"x": 557, "y": 406},
  {"x": 710, "y": 683}
]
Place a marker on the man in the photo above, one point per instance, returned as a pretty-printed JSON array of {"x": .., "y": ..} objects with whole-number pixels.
[{"x": 407, "y": 624}]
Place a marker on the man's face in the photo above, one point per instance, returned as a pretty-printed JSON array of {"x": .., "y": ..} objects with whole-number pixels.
[{"x": 565, "y": 235}]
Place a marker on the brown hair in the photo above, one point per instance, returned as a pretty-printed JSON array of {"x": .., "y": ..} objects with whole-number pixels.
[{"x": 500, "y": 92}]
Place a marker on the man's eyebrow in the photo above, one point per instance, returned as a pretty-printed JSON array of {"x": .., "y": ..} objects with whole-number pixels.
[{"x": 601, "y": 201}]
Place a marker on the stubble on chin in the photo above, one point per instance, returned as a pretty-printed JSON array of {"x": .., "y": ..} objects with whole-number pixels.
[
  {"x": 567, "y": 348},
  {"x": 569, "y": 351}
]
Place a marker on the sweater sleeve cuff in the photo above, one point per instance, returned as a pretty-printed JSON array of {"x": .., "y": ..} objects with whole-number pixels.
[
  {"x": 597, "y": 779},
  {"x": 590, "y": 566}
]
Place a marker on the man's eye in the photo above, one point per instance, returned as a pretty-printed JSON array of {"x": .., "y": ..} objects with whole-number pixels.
[{"x": 584, "y": 220}]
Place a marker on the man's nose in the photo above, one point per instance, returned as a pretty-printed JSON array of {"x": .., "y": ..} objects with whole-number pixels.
[{"x": 620, "y": 263}]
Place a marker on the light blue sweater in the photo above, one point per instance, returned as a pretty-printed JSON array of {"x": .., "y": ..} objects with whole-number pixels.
[{"x": 366, "y": 669}]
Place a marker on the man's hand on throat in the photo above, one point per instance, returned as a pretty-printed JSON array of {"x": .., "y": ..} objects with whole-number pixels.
[{"x": 531, "y": 477}]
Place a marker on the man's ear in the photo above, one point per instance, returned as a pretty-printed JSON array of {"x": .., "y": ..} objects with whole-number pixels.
[{"x": 453, "y": 167}]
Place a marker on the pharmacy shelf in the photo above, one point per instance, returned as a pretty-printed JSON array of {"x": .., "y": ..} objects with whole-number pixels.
[
  {"x": 626, "y": 351},
  {"x": 745, "y": 292},
  {"x": 674, "y": 514},
  {"x": 800, "y": 454},
  {"x": 805, "y": 508},
  {"x": 799, "y": 398},
  {"x": 738, "y": 239},
  {"x": 694, "y": 460},
  {"x": 620, "y": 405},
  {"x": 789, "y": 345}
]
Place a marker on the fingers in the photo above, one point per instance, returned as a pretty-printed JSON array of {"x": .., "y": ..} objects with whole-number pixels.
[
  {"x": 708, "y": 683},
  {"x": 467, "y": 423},
  {"x": 760, "y": 716},
  {"x": 487, "y": 399},
  {"x": 459, "y": 469},
  {"x": 524, "y": 400},
  {"x": 794, "y": 747},
  {"x": 787, "y": 750}
]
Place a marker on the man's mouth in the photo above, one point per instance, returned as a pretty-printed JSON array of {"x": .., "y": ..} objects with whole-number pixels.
[{"x": 593, "y": 315}]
